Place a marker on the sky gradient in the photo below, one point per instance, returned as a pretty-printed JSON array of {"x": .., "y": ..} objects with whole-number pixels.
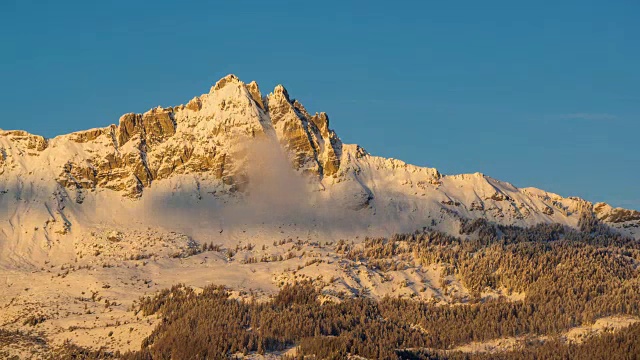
[{"x": 545, "y": 94}]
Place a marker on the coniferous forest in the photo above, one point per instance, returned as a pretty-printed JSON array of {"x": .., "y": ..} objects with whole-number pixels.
[{"x": 570, "y": 278}]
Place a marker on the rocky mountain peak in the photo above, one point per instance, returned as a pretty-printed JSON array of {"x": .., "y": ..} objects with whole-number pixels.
[
  {"x": 206, "y": 138},
  {"x": 254, "y": 90},
  {"x": 204, "y": 149},
  {"x": 229, "y": 79},
  {"x": 280, "y": 94}
]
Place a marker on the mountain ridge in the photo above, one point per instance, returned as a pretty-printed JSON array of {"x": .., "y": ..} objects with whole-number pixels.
[{"x": 234, "y": 145}]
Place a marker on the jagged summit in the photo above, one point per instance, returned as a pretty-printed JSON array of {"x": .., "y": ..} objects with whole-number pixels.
[
  {"x": 233, "y": 145},
  {"x": 229, "y": 79},
  {"x": 280, "y": 92}
]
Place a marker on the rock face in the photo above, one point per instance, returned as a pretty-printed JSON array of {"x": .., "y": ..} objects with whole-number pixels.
[
  {"x": 201, "y": 137},
  {"x": 26, "y": 142},
  {"x": 608, "y": 214},
  {"x": 308, "y": 138},
  {"x": 203, "y": 152},
  {"x": 162, "y": 142}
]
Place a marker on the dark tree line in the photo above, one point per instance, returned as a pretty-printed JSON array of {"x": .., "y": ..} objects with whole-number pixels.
[{"x": 620, "y": 345}]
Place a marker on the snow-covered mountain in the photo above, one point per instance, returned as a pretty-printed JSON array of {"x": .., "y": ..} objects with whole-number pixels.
[{"x": 234, "y": 164}]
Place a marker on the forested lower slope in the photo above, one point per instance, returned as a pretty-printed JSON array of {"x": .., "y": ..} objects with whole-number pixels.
[{"x": 570, "y": 278}]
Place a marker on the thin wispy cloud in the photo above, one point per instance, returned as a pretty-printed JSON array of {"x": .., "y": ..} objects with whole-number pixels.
[{"x": 588, "y": 116}]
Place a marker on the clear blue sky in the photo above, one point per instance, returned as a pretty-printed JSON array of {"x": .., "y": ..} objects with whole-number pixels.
[{"x": 544, "y": 94}]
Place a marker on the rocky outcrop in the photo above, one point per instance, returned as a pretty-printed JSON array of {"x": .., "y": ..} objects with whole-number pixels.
[
  {"x": 292, "y": 130},
  {"x": 3, "y": 159},
  {"x": 26, "y": 141},
  {"x": 224, "y": 81},
  {"x": 254, "y": 90},
  {"x": 314, "y": 147},
  {"x": 606, "y": 213},
  {"x": 91, "y": 135},
  {"x": 330, "y": 145},
  {"x": 153, "y": 127},
  {"x": 194, "y": 104}
]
